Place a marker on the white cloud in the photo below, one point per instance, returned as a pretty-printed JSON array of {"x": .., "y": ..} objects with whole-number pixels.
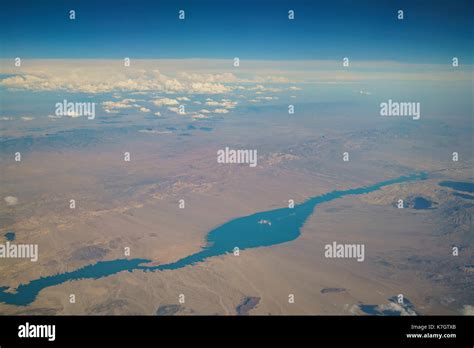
[
  {"x": 111, "y": 107},
  {"x": 229, "y": 104},
  {"x": 183, "y": 98},
  {"x": 175, "y": 110},
  {"x": 267, "y": 98},
  {"x": 209, "y": 88},
  {"x": 262, "y": 88},
  {"x": 198, "y": 75},
  {"x": 157, "y": 113},
  {"x": 209, "y": 78},
  {"x": 72, "y": 114},
  {"x": 204, "y": 111},
  {"x": 273, "y": 79},
  {"x": 225, "y": 103},
  {"x": 221, "y": 111},
  {"x": 10, "y": 118},
  {"x": 103, "y": 77},
  {"x": 260, "y": 99},
  {"x": 294, "y": 88},
  {"x": 199, "y": 116},
  {"x": 129, "y": 100},
  {"x": 165, "y": 101}
]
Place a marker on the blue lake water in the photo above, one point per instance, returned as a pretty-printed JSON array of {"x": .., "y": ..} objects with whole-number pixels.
[
  {"x": 463, "y": 195},
  {"x": 10, "y": 236},
  {"x": 246, "y": 232},
  {"x": 376, "y": 310},
  {"x": 421, "y": 203},
  {"x": 407, "y": 305},
  {"x": 459, "y": 186}
]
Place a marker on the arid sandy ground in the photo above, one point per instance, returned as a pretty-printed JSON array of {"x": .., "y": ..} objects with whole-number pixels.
[{"x": 135, "y": 204}]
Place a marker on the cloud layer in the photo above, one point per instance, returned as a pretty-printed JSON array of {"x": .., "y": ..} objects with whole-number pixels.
[{"x": 195, "y": 76}]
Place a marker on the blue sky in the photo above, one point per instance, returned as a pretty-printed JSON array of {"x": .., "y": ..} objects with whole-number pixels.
[
  {"x": 282, "y": 61},
  {"x": 432, "y": 31}
]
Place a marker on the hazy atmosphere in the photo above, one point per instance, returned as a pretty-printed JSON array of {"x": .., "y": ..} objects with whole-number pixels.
[{"x": 240, "y": 159}]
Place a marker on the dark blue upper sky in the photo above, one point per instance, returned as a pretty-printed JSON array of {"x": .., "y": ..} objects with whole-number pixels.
[{"x": 432, "y": 31}]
